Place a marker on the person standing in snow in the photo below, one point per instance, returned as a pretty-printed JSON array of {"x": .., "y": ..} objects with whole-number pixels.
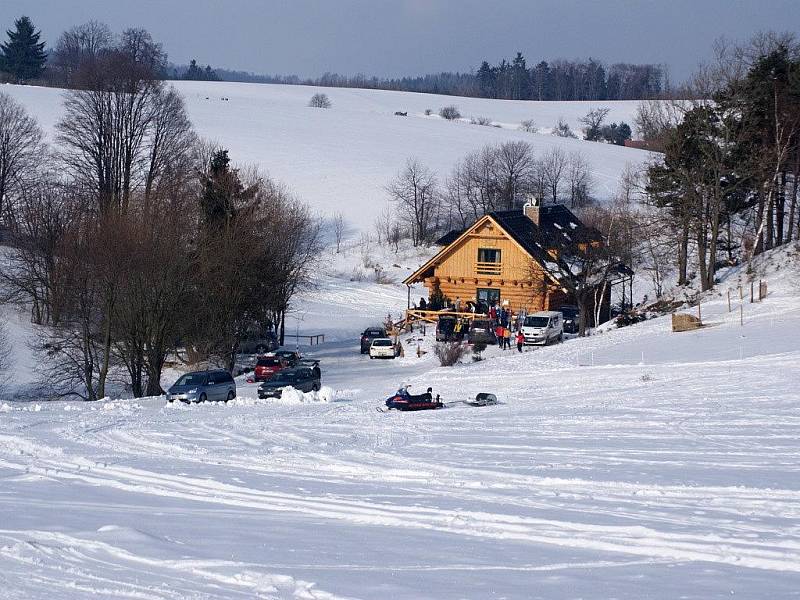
[
  {"x": 506, "y": 338},
  {"x": 498, "y": 332},
  {"x": 520, "y": 341}
]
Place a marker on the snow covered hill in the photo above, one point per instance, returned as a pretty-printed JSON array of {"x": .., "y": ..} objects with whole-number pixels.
[
  {"x": 340, "y": 159},
  {"x": 638, "y": 463}
]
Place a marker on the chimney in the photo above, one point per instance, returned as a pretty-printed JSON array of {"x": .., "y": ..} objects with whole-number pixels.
[{"x": 531, "y": 209}]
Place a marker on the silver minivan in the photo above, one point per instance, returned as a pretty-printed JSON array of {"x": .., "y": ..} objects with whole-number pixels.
[
  {"x": 543, "y": 327},
  {"x": 199, "y": 386}
]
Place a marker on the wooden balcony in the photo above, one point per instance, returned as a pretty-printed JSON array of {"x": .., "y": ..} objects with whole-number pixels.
[{"x": 488, "y": 268}]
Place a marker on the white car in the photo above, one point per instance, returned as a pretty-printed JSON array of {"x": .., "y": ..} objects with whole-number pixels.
[
  {"x": 543, "y": 327},
  {"x": 382, "y": 348}
]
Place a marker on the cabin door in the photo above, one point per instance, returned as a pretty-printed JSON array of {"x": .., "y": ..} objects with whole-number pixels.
[{"x": 487, "y": 297}]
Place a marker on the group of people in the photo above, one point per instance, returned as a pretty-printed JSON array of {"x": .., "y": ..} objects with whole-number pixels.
[{"x": 504, "y": 334}]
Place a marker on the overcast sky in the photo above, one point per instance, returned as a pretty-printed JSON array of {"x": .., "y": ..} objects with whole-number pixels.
[{"x": 409, "y": 37}]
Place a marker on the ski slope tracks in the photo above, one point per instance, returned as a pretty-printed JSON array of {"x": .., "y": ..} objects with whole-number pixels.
[
  {"x": 638, "y": 463},
  {"x": 339, "y": 160}
]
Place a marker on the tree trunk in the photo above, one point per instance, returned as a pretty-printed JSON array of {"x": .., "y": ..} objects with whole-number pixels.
[
  {"x": 683, "y": 253},
  {"x": 780, "y": 210},
  {"x": 793, "y": 204}
]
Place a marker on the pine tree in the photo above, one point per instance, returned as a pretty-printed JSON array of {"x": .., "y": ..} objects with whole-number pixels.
[{"x": 23, "y": 55}]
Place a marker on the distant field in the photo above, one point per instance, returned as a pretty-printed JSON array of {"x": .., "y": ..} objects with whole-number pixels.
[{"x": 339, "y": 160}]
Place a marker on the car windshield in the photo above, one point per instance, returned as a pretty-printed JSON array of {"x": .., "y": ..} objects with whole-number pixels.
[
  {"x": 382, "y": 343},
  {"x": 285, "y": 376},
  {"x": 373, "y": 333},
  {"x": 192, "y": 379},
  {"x": 569, "y": 312},
  {"x": 269, "y": 362},
  {"x": 537, "y": 321}
]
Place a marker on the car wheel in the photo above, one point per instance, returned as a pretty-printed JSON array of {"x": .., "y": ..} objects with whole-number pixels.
[
  {"x": 371, "y": 357},
  {"x": 561, "y": 337},
  {"x": 315, "y": 387},
  {"x": 230, "y": 397},
  {"x": 202, "y": 398}
]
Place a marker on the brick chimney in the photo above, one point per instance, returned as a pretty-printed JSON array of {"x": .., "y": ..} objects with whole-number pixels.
[{"x": 531, "y": 209}]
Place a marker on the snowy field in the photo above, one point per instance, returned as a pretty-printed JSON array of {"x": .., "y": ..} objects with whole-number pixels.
[
  {"x": 633, "y": 464},
  {"x": 340, "y": 159}
]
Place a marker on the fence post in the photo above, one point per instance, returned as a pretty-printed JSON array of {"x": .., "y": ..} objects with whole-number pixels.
[
  {"x": 729, "y": 299},
  {"x": 741, "y": 294},
  {"x": 741, "y": 314},
  {"x": 699, "y": 314},
  {"x": 751, "y": 293}
]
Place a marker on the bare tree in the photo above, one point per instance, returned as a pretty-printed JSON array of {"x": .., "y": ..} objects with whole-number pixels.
[
  {"x": 514, "y": 171},
  {"x": 579, "y": 179},
  {"x": 594, "y": 122},
  {"x": 320, "y": 101},
  {"x": 5, "y": 355},
  {"x": 553, "y": 167},
  {"x": 528, "y": 125},
  {"x": 78, "y": 47},
  {"x": 416, "y": 195},
  {"x": 338, "y": 230},
  {"x": 20, "y": 150}
]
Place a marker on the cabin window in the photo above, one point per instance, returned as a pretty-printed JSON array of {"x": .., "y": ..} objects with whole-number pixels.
[{"x": 488, "y": 255}]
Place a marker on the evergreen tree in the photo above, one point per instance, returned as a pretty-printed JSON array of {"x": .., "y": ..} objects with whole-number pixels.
[
  {"x": 487, "y": 80},
  {"x": 521, "y": 78},
  {"x": 23, "y": 55},
  {"x": 223, "y": 191}
]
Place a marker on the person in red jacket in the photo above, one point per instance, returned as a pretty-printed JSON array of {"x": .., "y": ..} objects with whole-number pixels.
[
  {"x": 498, "y": 332},
  {"x": 520, "y": 341}
]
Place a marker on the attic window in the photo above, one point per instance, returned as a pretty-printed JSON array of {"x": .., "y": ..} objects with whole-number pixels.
[{"x": 488, "y": 255}]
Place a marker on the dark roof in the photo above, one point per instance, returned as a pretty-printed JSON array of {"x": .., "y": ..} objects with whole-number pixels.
[
  {"x": 558, "y": 228},
  {"x": 449, "y": 237}
]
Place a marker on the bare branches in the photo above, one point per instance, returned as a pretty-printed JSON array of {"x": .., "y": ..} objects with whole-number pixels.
[
  {"x": 21, "y": 150},
  {"x": 416, "y": 195}
]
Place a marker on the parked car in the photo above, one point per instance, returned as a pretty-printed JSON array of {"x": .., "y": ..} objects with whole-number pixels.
[
  {"x": 304, "y": 379},
  {"x": 290, "y": 356},
  {"x": 267, "y": 366},
  {"x": 482, "y": 330},
  {"x": 199, "y": 386},
  {"x": 382, "y": 348},
  {"x": 445, "y": 328},
  {"x": 370, "y": 334},
  {"x": 571, "y": 318},
  {"x": 543, "y": 327},
  {"x": 258, "y": 341}
]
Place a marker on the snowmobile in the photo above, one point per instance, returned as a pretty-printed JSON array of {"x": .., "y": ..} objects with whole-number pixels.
[{"x": 403, "y": 400}]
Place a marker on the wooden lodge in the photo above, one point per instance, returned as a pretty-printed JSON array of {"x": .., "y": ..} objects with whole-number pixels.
[{"x": 506, "y": 257}]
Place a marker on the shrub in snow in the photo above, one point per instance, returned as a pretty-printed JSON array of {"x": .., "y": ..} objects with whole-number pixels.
[
  {"x": 562, "y": 129},
  {"x": 449, "y": 112},
  {"x": 528, "y": 125},
  {"x": 320, "y": 101},
  {"x": 477, "y": 349},
  {"x": 480, "y": 121},
  {"x": 449, "y": 353},
  {"x": 428, "y": 112}
]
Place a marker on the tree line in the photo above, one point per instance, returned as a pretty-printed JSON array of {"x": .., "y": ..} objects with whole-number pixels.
[
  {"x": 557, "y": 80},
  {"x": 23, "y": 58},
  {"x": 727, "y": 186},
  {"x": 131, "y": 239},
  {"x": 495, "y": 177}
]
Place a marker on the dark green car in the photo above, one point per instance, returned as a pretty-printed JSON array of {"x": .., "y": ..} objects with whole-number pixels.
[{"x": 304, "y": 379}]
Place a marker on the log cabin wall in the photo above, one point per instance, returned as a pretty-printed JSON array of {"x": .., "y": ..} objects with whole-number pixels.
[{"x": 519, "y": 280}]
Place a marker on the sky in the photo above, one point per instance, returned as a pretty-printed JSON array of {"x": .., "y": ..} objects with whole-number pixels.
[{"x": 411, "y": 37}]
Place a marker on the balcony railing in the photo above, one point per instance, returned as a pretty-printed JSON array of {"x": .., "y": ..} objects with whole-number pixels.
[{"x": 488, "y": 268}]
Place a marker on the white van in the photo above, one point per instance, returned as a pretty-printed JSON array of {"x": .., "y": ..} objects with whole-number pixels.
[{"x": 543, "y": 327}]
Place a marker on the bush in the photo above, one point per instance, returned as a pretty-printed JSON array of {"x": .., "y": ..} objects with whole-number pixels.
[
  {"x": 480, "y": 121},
  {"x": 428, "y": 112},
  {"x": 562, "y": 129},
  {"x": 449, "y": 112},
  {"x": 449, "y": 353},
  {"x": 528, "y": 125},
  {"x": 320, "y": 101}
]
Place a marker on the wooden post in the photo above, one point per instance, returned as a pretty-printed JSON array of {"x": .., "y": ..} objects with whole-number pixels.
[
  {"x": 729, "y": 300},
  {"x": 699, "y": 314},
  {"x": 752, "y": 297},
  {"x": 741, "y": 294},
  {"x": 741, "y": 314}
]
